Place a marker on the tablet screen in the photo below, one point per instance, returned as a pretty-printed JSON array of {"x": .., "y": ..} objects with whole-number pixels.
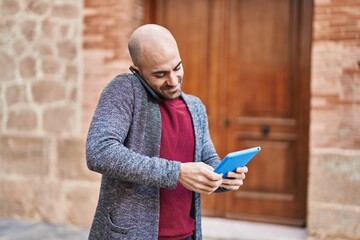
[{"x": 236, "y": 159}]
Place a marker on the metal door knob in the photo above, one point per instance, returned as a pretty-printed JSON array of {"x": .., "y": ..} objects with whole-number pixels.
[
  {"x": 265, "y": 129},
  {"x": 227, "y": 122}
]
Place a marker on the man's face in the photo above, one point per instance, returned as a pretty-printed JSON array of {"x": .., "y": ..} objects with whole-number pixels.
[{"x": 163, "y": 71}]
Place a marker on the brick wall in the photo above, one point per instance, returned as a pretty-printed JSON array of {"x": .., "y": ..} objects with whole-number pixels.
[
  {"x": 107, "y": 27},
  {"x": 55, "y": 57},
  {"x": 334, "y": 193}
]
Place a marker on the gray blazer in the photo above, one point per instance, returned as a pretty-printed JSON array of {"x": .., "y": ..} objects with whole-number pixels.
[{"x": 123, "y": 145}]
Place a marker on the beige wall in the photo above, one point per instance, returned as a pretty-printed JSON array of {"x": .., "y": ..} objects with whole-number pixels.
[
  {"x": 334, "y": 186},
  {"x": 42, "y": 169},
  {"x": 55, "y": 59}
]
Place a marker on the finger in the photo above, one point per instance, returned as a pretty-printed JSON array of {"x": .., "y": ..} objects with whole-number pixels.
[
  {"x": 199, "y": 177},
  {"x": 211, "y": 175},
  {"x": 208, "y": 167},
  {"x": 206, "y": 189},
  {"x": 212, "y": 183},
  {"x": 242, "y": 169},
  {"x": 236, "y": 175},
  {"x": 231, "y": 188},
  {"x": 208, "y": 183},
  {"x": 208, "y": 171},
  {"x": 232, "y": 182},
  {"x": 200, "y": 186}
]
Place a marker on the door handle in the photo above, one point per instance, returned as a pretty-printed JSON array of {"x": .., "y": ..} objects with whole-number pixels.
[
  {"x": 227, "y": 122},
  {"x": 265, "y": 129}
]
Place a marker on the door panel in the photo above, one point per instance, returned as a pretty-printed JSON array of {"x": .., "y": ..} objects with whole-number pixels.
[
  {"x": 259, "y": 58},
  {"x": 248, "y": 62},
  {"x": 259, "y": 77},
  {"x": 175, "y": 16}
]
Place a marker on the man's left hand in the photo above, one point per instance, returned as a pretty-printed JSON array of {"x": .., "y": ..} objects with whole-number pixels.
[{"x": 235, "y": 179}]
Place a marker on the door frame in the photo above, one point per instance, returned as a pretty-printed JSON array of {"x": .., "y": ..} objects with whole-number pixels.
[{"x": 301, "y": 71}]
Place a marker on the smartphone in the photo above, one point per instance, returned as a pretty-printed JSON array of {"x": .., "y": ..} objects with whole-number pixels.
[
  {"x": 146, "y": 85},
  {"x": 236, "y": 159}
]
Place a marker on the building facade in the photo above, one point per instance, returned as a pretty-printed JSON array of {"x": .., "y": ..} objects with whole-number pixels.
[{"x": 56, "y": 57}]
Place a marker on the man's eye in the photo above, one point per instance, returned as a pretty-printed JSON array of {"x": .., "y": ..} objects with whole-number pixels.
[
  {"x": 159, "y": 75},
  {"x": 177, "y": 68}
]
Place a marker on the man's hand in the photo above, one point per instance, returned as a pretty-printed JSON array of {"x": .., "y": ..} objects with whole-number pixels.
[
  {"x": 235, "y": 179},
  {"x": 199, "y": 177}
]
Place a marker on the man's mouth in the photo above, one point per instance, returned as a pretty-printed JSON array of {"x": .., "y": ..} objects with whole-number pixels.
[{"x": 170, "y": 89}]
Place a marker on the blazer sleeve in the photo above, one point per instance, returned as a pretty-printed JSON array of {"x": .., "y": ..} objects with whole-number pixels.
[
  {"x": 105, "y": 150},
  {"x": 209, "y": 154}
]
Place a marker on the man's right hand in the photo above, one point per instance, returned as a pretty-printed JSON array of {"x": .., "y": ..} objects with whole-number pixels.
[{"x": 199, "y": 177}]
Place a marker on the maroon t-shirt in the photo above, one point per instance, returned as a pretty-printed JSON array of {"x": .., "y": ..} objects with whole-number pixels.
[{"x": 177, "y": 143}]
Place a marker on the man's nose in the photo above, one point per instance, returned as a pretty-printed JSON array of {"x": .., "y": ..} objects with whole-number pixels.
[{"x": 173, "y": 79}]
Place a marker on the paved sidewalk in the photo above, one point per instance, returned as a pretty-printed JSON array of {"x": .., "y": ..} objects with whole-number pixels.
[
  {"x": 12, "y": 229},
  {"x": 213, "y": 229},
  {"x": 226, "y": 229}
]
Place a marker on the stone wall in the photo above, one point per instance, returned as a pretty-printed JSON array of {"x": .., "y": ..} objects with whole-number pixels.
[
  {"x": 57, "y": 55},
  {"x": 334, "y": 192},
  {"x": 55, "y": 58},
  {"x": 42, "y": 168}
]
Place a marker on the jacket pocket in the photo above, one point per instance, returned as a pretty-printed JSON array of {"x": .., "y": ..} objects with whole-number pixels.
[{"x": 126, "y": 226}]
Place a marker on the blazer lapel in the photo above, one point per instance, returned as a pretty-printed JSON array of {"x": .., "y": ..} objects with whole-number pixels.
[{"x": 196, "y": 124}]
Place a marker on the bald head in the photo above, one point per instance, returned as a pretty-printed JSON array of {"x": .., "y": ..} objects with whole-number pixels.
[{"x": 148, "y": 41}]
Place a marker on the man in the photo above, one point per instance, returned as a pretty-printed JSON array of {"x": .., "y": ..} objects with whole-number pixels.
[{"x": 155, "y": 156}]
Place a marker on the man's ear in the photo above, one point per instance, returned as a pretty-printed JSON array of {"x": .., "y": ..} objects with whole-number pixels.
[{"x": 136, "y": 68}]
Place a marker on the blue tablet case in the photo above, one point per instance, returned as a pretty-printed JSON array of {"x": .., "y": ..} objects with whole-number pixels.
[{"x": 236, "y": 159}]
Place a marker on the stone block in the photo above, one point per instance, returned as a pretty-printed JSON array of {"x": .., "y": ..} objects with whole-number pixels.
[
  {"x": 47, "y": 91},
  {"x": 45, "y": 49},
  {"x": 71, "y": 73},
  {"x": 9, "y": 7},
  {"x": 72, "y": 162},
  {"x": 28, "y": 67},
  {"x": 350, "y": 85},
  {"x": 15, "y": 94},
  {"x": 73, "y": 95},
  {"x": 8, "y": 69},
  {"x": 22, "y": 119},
  {"x": 19, "y": 47},
  {"x": 60, "y": 119},
  {"x": 66, "y": 31},
  {"x": 336, "y": 125},
  {"x": 35, "y": 199},
  {"x": 80, "y": 204},
  {"x": 7, "y": 32},
  {"x": 67, "y": 49},
  {"x": 1, "y": 116},
  {"x": 48, "y": 29},
  {"x": 66, "y": 11},
  {"x": 39, "y": 7},
  {"x": 334, "y": 221},
  {"x": 50, "y": 66},
  {"x": 28, "y": 30},
  {"x": 334, "y": 178},
  {"x": 349, "y": 127},
  {"x": 317, "y": 236},
  {"x": 26, "y": 156}
]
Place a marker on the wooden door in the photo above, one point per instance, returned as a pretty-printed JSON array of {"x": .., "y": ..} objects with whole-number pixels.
[{"x": 248, "y": 60}]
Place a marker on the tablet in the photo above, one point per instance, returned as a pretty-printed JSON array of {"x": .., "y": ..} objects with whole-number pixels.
[{"x": 236, "y": 159}]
